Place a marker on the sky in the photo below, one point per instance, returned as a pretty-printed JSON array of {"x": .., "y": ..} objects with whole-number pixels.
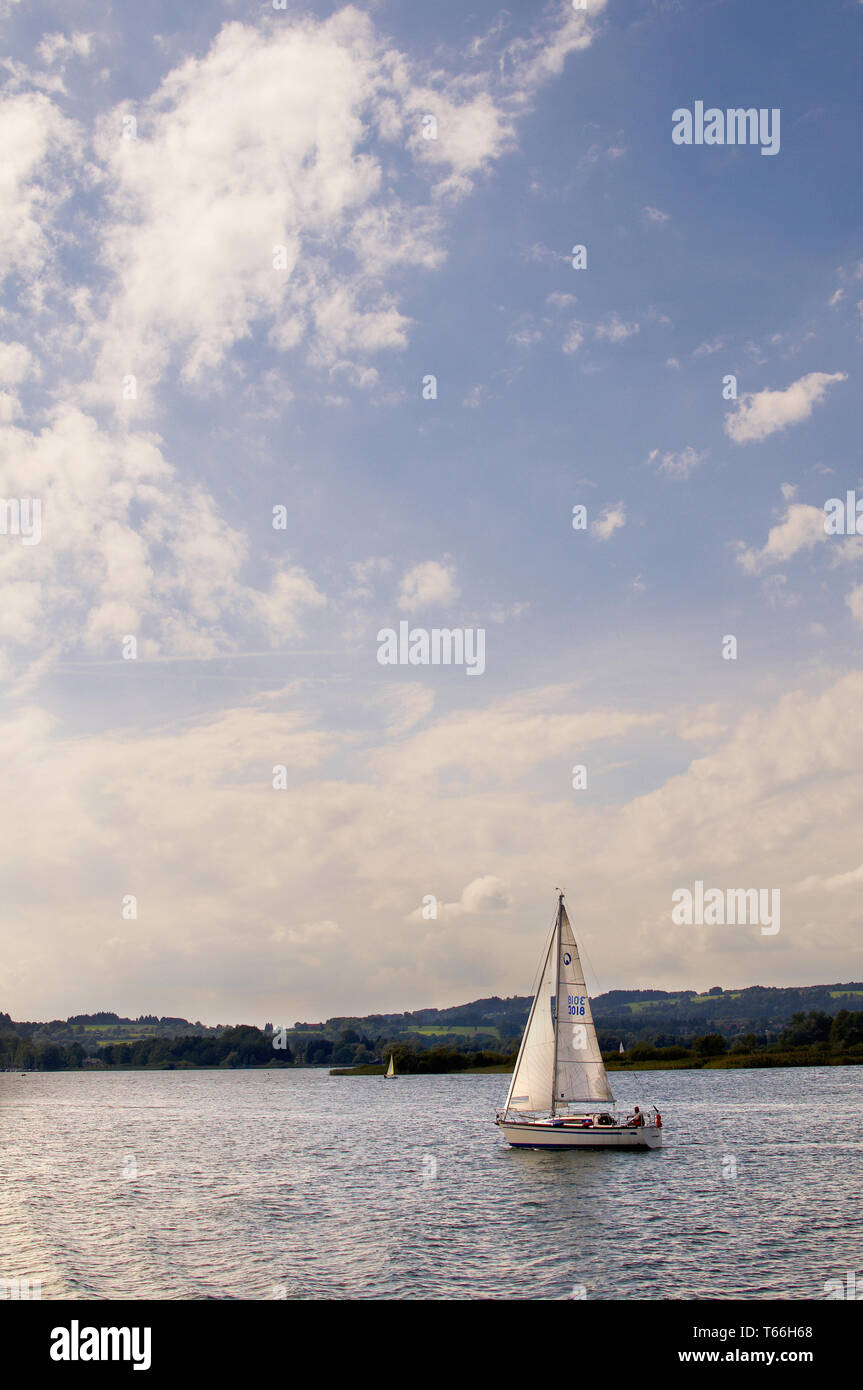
[{"x": 295, "y": 348}]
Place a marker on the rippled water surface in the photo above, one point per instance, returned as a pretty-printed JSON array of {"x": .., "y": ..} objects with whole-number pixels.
[{"x": 251, "y": 1184}]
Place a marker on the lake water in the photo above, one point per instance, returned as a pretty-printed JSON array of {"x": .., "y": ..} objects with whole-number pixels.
[{"x": 261, "y": 1185}]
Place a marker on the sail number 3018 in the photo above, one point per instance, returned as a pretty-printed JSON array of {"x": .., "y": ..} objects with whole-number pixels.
[{"x": 576, "y": 1005}]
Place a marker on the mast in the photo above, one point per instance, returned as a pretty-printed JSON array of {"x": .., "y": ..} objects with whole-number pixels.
[{"x": 556, "y": 1008}]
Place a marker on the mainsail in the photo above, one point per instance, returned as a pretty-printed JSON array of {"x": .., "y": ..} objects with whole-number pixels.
[{"x": 559, "y": 1060}]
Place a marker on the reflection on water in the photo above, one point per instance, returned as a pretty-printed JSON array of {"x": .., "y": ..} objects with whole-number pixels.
[{"x": 297, "y": 1184}]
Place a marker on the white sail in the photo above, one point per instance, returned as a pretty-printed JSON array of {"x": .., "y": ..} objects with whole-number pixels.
[
  {"x": 391, "y": 1071},
  {"x": 532, "y": 1080},
  {"x": 572, "y": 1070},
  {"x": 581, "y": 1074}
]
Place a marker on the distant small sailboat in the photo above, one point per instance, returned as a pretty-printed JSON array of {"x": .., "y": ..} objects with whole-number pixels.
[
  {"x": 559, "y": 1070},
  {"x": 391, "y": 1069},
  {"x": 621, "y": 1048}
]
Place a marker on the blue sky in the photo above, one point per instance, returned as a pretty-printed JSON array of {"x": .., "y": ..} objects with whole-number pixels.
[{"x": 259, "y": 387}]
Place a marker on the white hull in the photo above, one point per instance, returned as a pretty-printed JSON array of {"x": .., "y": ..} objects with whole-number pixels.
[{"x": 541, "y": 1134}]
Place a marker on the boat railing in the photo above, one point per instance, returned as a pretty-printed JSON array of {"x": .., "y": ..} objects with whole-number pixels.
[{"x": 585, "y": 1117}]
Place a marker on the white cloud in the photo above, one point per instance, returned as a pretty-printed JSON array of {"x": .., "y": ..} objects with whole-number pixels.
[
  {"x": 543, "y": 255},
  {"x": 526, "y": 332},
  {"x": 834, "y": 883},
  {"x": 762, "y": 413},
  {"x": 560, "y": 300},
  {"x": 854, "y": 601},
  {"x": 357, "y": 375},
  {"x": 703, "y": 726},
  {"x": 655, "y": 215},
  {"x": 574, "y": 337},
  {"x": 210, "y": 187},
  {"x": 503, "y": 613},
  {"x": 507, "y": 739},
  {"x": 283, "y": 606},
  {"x": 610, "y": 519},
  {"x": 310, "y": 943},
  {"x": 39, "y": 144},
  {"x": 614, "y": 330},
  {"x": 476, "y": 396},
  {"x": 65, "y": 46},
  {"x": 430, "y": 583},
  {"x": 679, "y": 465},
  {"x": 406, "y": 704},
  {"x": 801, "y": 528},
  {"x": 10, "y": 407},
  {"x": 533, "y": 61},
  {"x": 207, "y": 190},
  {"x": 364, "y": 573},
  {"x": 707, "y": 349},
  {"x": 16, "y": 363},
  {"x": 129, "y": 546},
  {"x": 488, "y": 894},
  {"x": 208, "y": 845}
]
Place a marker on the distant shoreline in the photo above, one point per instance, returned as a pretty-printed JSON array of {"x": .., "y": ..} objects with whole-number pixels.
[{"x": 756, "y": 1061}]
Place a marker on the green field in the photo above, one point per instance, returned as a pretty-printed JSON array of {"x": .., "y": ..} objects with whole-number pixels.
[
  {"x": 436, "y": 1030},
  {"x": 641, "y": 1004}
]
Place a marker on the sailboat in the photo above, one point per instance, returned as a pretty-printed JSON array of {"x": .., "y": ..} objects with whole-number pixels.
[
  {"x": 559, "y": 1096},
  {"x": 391, "y": 1069}
]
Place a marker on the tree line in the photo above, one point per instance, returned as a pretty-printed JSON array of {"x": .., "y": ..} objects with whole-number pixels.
[
  {"x": 243, "y": 1046},
  {"x": 807, "y": 1038}
]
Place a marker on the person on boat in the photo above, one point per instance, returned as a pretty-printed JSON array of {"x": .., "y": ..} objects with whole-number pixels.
[{"x": 637, "y": 1118}]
